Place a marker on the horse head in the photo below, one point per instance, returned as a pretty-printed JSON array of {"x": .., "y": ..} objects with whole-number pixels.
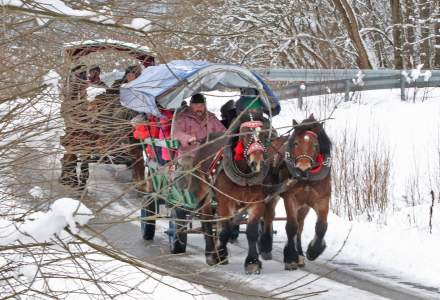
[
  {"x": 254, "y": 149},
  {"x": 304, "y": 145}
]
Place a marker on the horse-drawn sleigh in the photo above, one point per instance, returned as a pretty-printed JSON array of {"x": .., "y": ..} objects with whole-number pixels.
[
  {"x": 245, "y": 169},
  {"x": 242, "y": 171}
]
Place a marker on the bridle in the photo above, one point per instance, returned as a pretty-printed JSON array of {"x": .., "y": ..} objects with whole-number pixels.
[
  {"x": 288, "y": 157},
  {"x": 290, "y": 161},
  {"x": 255, "y": 142}
]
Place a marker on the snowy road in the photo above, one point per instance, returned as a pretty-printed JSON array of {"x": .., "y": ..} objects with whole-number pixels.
[
  {"x": 109, "y": 188},
  {"x": 340, "y": 283}
]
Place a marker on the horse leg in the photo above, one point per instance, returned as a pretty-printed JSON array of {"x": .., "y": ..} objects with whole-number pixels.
[
  {"x": 221, "y": 255},
  {"x": 235, "y": 232},
  {"x": 225, "y": 209},
  {"x": 207, "y": 216},
  {"x": 317, "y": 245},
  {"x": 291, "y": 257},
  {"x": 252, "y": 264},
  {"x": 302, "y": 213},
  {"x": 266, "y": 239}
]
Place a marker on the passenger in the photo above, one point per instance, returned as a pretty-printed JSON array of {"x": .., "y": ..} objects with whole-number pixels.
[
  {"x": 194, "y": 123},
  {"x": 159, "y": 128},
  {"x": 191, "y": 127},
  {"x": 165, "y": 132},
  {"x": 249, "y": 102},
  {"x": 228, "y": 112},
  {"x": 95, "y": 77},
  {"x": 78, "y": 82},
  {"x": 131, "y": 73}
]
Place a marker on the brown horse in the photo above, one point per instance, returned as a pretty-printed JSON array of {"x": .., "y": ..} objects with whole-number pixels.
[
  {"x": 239, "y": 184},
  {"x": 307, "y": 164}
]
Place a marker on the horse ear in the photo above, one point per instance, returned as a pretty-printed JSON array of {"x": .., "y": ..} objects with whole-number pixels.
[
  {"x": 311, "y": 117},
  {"x": 294, "y": 122}
]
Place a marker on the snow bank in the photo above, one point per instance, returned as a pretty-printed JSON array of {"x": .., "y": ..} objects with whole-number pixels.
[
  {"x": 394, "y": 249},
  {"x": 41, "y": 227}
]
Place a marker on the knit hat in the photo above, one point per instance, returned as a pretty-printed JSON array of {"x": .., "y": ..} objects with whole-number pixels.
[{"x": 198, "y": 98}]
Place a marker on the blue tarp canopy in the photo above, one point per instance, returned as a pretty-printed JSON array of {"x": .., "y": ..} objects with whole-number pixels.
[{"x": 169, "y": 84}]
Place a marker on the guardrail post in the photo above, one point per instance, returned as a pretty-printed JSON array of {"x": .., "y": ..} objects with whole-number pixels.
[
  {"x": 347, "y": 90},
  {"x": 402, "y": 87},
  {"x": 301, "y": 88}
]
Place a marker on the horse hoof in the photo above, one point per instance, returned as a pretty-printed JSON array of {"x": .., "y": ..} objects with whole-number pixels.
[
  {"x": 252, "y": 266},
  {"x": 292, "y": 266},
  {"x": 211, "y": 261},
  {"x": 301, "y": 261},
  {"x": 266, "y": 255},
  {"x": 315, "y": 250},
  {"x": 252, "y": 269}
]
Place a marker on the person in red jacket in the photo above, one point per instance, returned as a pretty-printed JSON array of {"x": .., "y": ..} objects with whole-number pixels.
[{"x": 157, "y": 128}]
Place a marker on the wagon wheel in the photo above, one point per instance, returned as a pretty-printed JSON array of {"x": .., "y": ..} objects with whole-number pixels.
[
  {"x": 177, "y": 231},
  {"x": 148, "y": 228}
]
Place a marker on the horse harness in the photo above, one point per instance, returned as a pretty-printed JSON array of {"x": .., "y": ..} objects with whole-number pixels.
[
  {"x": 224, "y": 160},
  {"x": 321, "y": 164}
]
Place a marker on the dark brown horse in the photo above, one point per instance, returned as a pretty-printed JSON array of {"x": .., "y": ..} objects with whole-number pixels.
[
  {"x": 307, "y": 164},
  {"x": 239, "y": 183}
]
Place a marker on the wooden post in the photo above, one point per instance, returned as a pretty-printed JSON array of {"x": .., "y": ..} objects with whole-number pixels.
[
  {"x": 300, "y": 96},
  {"x": 347, "y": 90},
  {"x": 402, "y": 87}
]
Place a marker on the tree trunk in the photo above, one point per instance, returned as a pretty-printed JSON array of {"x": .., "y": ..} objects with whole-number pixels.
[
  {"x": 397, "y": 33},
  {"x": 437, "y": 35},
  {"x": 350, "y": 22},
  {"x": 410, "y": 34},
  {"x": 426, "y": 53}
]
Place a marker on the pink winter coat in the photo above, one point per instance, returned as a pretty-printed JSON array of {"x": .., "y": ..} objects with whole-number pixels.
[{"x": 188, "y": 124}]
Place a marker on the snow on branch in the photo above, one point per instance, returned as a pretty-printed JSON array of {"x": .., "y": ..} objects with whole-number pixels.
[{"x": 60, "y": 10}]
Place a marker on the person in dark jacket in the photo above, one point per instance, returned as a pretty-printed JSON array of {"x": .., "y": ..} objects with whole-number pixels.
[
  {"x": 95, "y": 77},
  {"x": 228, "y": 112}
]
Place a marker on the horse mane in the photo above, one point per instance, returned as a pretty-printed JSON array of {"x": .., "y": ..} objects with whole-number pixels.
[{"x": 325, "y": 144}]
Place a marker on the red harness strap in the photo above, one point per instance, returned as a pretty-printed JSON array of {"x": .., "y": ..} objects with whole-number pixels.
[
  {"x": 239, "y": 151},
  {"x": 319, "y": 161},
  {"x": 217, "y": 158}
]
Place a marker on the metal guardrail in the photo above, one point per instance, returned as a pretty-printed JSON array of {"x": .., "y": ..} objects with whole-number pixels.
[{"x": 320, "y": 82}]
